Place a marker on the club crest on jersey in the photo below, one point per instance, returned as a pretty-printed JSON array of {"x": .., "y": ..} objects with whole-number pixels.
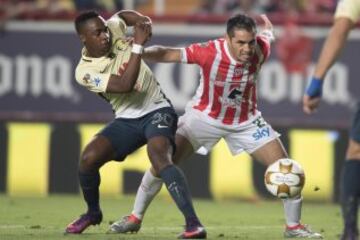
[
  {"x": 122, "y": 44},
  {"x": 86, "y": 78},
  {"x": 238, "y": 72}
]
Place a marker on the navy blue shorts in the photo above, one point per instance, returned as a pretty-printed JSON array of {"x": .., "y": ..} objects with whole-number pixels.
[
  {"x": 355, "y": 129},
  {"x": 129, "y": 134}
]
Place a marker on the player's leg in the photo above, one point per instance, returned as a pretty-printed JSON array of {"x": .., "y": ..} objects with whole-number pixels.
[
  {"x": 109, "y": 144},
  {"x": 260, "y": 140},
  {"x": 95, "y": 154},
  {"x": 151, "y": 182},
  {"x": 160, "y": 147},
  {"x": 267, "y": 154},
  {"x": 150, "y": 185},
  {"x": 350, "y": 179}
]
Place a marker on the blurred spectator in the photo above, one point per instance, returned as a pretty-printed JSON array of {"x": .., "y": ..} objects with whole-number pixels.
[
  {"x": 319, "y": 6},
  {"x": 251, "y": 7},
  {"x": 221, "y": 7},
  {"x": 105, "y": 5},
  {"x": 14, "y": 9},
  {"x": 285, "y": 6},
  {"x": 206, "y": 7},
  {"x": 294, "y": 49}
]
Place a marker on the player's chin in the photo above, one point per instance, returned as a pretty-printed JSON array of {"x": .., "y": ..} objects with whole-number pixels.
[
  {"x": 244, "y": 58},
  {"x": 105, "y": 49}
]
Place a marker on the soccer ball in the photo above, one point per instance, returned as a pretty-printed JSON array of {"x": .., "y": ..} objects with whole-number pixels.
[{"x": 284, "y": 178}]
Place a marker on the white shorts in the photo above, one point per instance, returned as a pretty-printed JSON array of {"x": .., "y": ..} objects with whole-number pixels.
[{"x": 204, "y": 132}]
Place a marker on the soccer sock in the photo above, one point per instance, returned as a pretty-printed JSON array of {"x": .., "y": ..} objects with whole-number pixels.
[
  {"x": 149, "y": 187},
  {"x": 292, "y": 208},
  {"x": 350, "y": 192},
  {"x": 90, "y": 183},
  {"x": 177, "y": 186}
]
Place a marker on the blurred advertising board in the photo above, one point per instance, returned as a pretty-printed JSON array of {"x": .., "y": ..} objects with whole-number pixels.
[{"x": 37, "y": 62}]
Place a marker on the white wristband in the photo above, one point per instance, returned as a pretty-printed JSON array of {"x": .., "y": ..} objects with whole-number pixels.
[{"x": 137, "y": 48}]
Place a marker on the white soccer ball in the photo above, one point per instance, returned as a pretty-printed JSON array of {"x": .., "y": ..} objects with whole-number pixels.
[{"x": 284, "y": 178}]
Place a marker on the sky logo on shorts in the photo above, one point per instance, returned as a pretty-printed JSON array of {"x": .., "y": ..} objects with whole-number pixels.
[{"x": 261, "y": 132}]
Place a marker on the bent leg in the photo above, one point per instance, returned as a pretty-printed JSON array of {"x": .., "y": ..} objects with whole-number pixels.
[
  {"x": 96, "y": 153},
  {"x": 350, "y": 192},
  {"x": 350, "y": 179},
  {"x": 159, "y": 150},
  {"x": 268, "y": 154},
  {"x": 151, "y": 183}
]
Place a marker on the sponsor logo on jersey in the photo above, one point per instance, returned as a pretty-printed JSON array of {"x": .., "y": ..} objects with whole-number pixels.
[
  {"x": 238, "y": 72},
  {"x": 97, "y": 81}
]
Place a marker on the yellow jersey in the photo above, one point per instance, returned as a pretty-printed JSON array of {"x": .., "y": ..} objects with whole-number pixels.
[
  {"x": 94, "y": 74},
  {"x": 349, "y": 9}
]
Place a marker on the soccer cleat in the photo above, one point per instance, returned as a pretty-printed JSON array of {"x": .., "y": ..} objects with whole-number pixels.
[
  {"x": 83, "y": 222},
  {"x": 301, "y": 231},
  {"x": 197, "y": 232},
  {"x": 126, "y": 224},
  {"x": 350, "y": 234}
]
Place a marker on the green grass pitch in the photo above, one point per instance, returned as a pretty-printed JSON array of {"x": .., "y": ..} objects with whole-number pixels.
[{"x": 46, "y": 218}]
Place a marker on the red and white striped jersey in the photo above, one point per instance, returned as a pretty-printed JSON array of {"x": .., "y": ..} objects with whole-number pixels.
[{"x": 227, "y": 89}]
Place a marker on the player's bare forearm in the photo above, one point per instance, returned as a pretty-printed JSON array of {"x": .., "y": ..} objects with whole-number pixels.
[
  {"x": 333, "y": 45},
  {"x": 129, "y": 72},
  {"x": 132, "y": 17},
  {"x": 125, "y": 82},
  {"x": 268, "y": 29},
  {"x": 162, "y": 54},
  {"x": 267, "y": 23}
]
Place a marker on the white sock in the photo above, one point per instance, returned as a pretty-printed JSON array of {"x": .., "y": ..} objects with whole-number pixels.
[
  {"x": 292, "y": 208},
  {"x": 149, "y": 187}
]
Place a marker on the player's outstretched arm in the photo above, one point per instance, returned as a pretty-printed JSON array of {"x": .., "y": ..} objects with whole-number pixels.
[
  {"x": 162, "y": 54},
  {"x": 330, "y": 51},
  {"x": 333, "y": 45}
]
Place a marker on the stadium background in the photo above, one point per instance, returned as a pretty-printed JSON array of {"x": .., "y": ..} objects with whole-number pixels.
[{"x": 46, "y": 118}]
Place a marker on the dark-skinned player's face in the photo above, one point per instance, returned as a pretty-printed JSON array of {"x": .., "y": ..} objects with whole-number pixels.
[
  {"x": 242, "y": 45},
  {"x": 96, "y": 37}
]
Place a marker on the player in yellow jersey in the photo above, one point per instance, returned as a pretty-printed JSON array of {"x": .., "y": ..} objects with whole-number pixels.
[
  {"x": 346, "y": 16},
  {"x": 111, "y": 66}
]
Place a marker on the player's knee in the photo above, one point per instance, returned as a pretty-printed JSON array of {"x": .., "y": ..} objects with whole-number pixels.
[
  {"x": 89, "y": 161},
  {"x": 159, "y": 159}
]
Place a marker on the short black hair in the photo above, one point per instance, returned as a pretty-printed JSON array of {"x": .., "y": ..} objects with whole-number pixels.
[
  {"x": 81, "y": 19},
  {"x": 240, "y": 21}
]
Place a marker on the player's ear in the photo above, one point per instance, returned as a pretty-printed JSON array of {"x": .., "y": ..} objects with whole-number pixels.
[{"x": 82, "y": 38}]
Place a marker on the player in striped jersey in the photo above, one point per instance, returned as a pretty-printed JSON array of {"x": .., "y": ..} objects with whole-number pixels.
[
  {"x": 346, "y": 16},
  {"x": 112, "y": 67},
  {"x": 224, "y": 106}
]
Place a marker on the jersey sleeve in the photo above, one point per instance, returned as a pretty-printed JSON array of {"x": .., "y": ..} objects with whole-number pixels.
[
  {"x": 264, "y": 44},
  {"x": 195, "y": 53},
  {"x": 349, "y": 9},
  {"x": 117, "y": 26},
  {"x": 92, "y": 80}
]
